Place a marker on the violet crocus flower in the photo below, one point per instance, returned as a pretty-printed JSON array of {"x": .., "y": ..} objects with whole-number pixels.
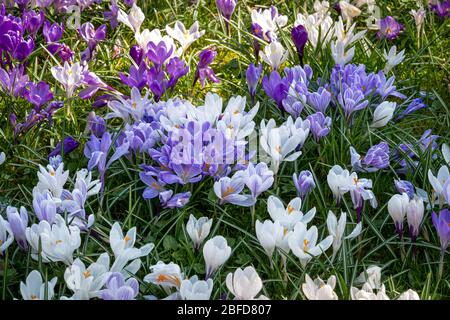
[
  {"x": 253, "y": 74},
  {"x": 319, "y": 100},
  {"x": 137, "y": 54},
  {"x": 228, "y": 190},
  {"x": 428, "y": 140},
  {"x": 203, "y": 70},
  {"x": 52, "y": 32},
  {"x": 257, "y": 32},
  {"x": 154, "y": 186},
  {"x": 44, "y": 207},
  {"x": 360, "y": 192},
  {"x": 69, "y": 145},
  {"x": 92, "y": 36},
  {"x": 304, "y": 183},
  {"x": 404, "y": 186},
  {"x": 182, "y": 174},
  {"x": 415, "y": 105},
  {"x": 158, "y": 53},
  {"x": 226, "y": 9},
  {"x": 176, "y": 68},
  {"x": 377, "y": 156},
  {"x": 170, "y": 201},
  {"x": 299, "y": 36},
  {"x": 112, "y": 14},
  {"x": 319, "y": 125},
  {"x": 23, "y": 49},
  {"x": 389, "y": 28},
  {"x": 14, "y": 80},
  {"x": 441, "y": 8},
  {"x": 276, "y": 87},
  {"x": 18, "y": 223},
  {"x": 352, "y": 100},
  {"x": 258, "y": 178},
  {"x": 119, "y": 289},
  {"x": 157, "y": 82},
  {"x": 38, "y": 93},
  {"x": 137, "y": 76},
  {"x": 33, "y": 20},
  {"x": 96, "y": 124},
  {"x": 442, "y": 225}
]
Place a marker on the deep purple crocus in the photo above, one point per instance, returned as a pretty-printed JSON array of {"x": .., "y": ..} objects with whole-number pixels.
[
  {"x": 176, "y": 68},
  {"x": 33, "y": 20},
  {"x": 137, "y": 76},
  {"x": 136, "y": 53},
  {"x": 158, "y": 53},
  {"x": 299, "y": 36},
  {"x": 38, "y": 93},
  {"x": 112, "y": 14},
  {"x": 276, "y": 87},
  {"x": 441, "y": 8},
  {"x": 70, "y": 144},
  {"x": 14, "y": 80},
  {"x": 252, "y": 77},
  {"x": 404, "y": 186},
  {"x": 96, "y": 124},
  {"x": 92, "y": 36},
  {"x": 319, "y": 125},
  {"x": 389, "y": 28},
  {"x": 304, "y": 183},
  {"x": 377, "y": 156},
  {"x": 226, "y": 9},
  {"x": 204, "y": 71},
  {"x": 257, "y": 32},
  {"x": 52, "y": 32}
]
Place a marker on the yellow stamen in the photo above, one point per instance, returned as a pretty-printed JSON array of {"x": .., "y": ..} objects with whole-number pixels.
[
  {"x": 126, "y": 239},
  {"x": 290, "y": 209},
  {"x": 305, "y": 245},
  {"x": 172, "y": 279},
  {"x": 229, "y": 191},
  {"x": 278, "y": 148},
  {"x": 285, "y": 231},
  {"x": 52, "y": 173},
  {"x": 134, "y": 105},
  {"x": 86, "y": 274},
  {"x": 33, "y": 297},
  {"x": 58, "y": 241}
]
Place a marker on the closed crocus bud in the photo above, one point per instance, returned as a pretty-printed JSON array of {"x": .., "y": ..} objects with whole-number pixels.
[
  {"x": 269, "y": 234},
  {"x": 414, "y": 215},
  {"x": 18, "y": 223},
  {"x": 383, "y": 114},
  {"x": 244, "y": 284},
  {"x": 252, "y": 76},
  {"x": 409, "y": 295},
  {"x": 198, "y": 230},
  {"x": 33, "y": 20},
  {"x": 137, "y": 53},
  {"x": 226, "y": 9},
  {"x": 52, "y": 32},
  {"x": 24, "y": 49},
  {"x": 299, "y": 36},
  {"x": 397, "y": 210},
  {"x": 96, "y": 124},
  {"x": 304, "y": 183},
  {"x": 194, "y": 289},
  {"x": 216, "y": 252},
  {"x": 404, "y": 186}
]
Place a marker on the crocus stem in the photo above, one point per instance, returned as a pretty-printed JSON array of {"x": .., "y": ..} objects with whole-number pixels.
[
  {"x": 252, "y": 210},
  {"x": 5, "y": 275},
  {"x": 441, "y": 265}
]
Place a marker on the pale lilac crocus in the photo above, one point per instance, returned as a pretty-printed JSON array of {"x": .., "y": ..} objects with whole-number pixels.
[
  {"x": 319, "y": 100},
  {"x": 119, "y": 289},
  {"x": 171, "y": 201},
  {"x": 18, "y": 223},
  {"x": 352, "y": 100},
  {"x": 442, "y": 225},
  {"x": 304, "y": 183},
  {"x": 228, "y": 190},
  {"x": 319, "y": 125},
  {"x": 258, "y": 178},
  {"x": 44, "y": 207}
]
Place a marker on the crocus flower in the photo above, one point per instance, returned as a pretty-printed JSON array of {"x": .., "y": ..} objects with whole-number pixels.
[
  {"x": 383, "y": 114},
  {"x": 33, "y": 20},
  {"x": 158, "y": 53},
  {"x": 377, "y": 158},
  {"x": 441, "y": 8},
  {"x": 14, "y": 80},
  {"x": 269, "y": 234},
  {"x": 397, "y": 210},
  {"x": 252, "y": 76},
  {"x": 414, "y": 216},
  {"x": 203, "y": 70},
  {"x": 339, "y": 181},
  {"x": 404, "y": 186},
  {"x": 198, "y": 229},
  {"x": 442, "y": 224},
  {"x": 303, "y": 243},
  {"x": 415, "y": 105},
  {"x": 165, "y": 275},
  {"x": 176, "y": 68},
  {"x": 360, "y": 192},
  {"x": 438, "y": 182},
  {"x": 18, "y": 224},
  {"x": 195, "y": 289},
  {"x": 274, "y": 55},
  {"x": 389, "y": 28},
  {"x": 52, "y": 32},
  {"x": 52, "y": 179},
  {"x": 226, "y": 9},
  {"x": 35, "y": 288},
  {"x": 244, "y": 284},
  {"x": 44, "y": 207},
  {"x": 319, "y": 289},
  {"x": 304, "y": 183},
  {"x": 216, "y": 252},
  {"x": 288, "y": 216},
  {"x": 124, "y": 245},
  {"x": 367, "y": 293},
  {"x": 133, "y": 20},
  {"x": 319, "y": 100},
  {"x": 185, "y": 36},
  {"x": 119, "y": 289},
  {"x": 269, "y": 21},
  {"x": 229, "y": 189},
  {"x": 409, "y": 295},
  {"x": 70, "y": 76},
  {"x": 112, "y": 14},
  {"x": 319, "y": 125},
  {"x": 96, "y": 124},
  {"x": 299, "y": 36},
  {"x": 38, "y": 94},
  {"x": 276, "y": 87},
  {"x": 352, "y": 100},
  {"x": 69, "y": 145},
  {"x": 337, "y": 229},
  {"x": 393, "y": 58},
  {"x": 136, "y": 53},
  {"x": 419, "y": 16},
  {"x": 258, "y": 178},
  {"x": 6, "y": 235},
  {"x": 170, "y": 200}
]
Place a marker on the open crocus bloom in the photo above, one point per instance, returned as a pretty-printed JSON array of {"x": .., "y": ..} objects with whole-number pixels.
[
  {"x": 165, "y": 275},
  {"x": 34, "y": 287},
  {"x": 289, "y": 216},
  {"x": 244, "y": 284},
  {"x": 319, "y": 289},
  {"x": 124, "y": 245}
]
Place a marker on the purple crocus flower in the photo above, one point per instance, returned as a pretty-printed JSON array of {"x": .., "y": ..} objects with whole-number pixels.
[
  {"x": 170, "y": 201},
  {"x": 112, "y": 14},
  {"x": 428, "y": 140},
  {"x": 44, "y": 207},
  {"x": 137, "y": 54},
  {"x": 442, "y": 224},
  {"x": 389, "y": 28},
  {"x": 360, "y": 192},
  {"x": 96, "y": 124},
  {"x": 182, "y": 174},
  {"x": 257, "y": 32},
  {"x": 52, "y": 32},
  {"x": 70, "y": 144},
  {"x": 226, "y": 9},
  {"x": 158, "y": 53},
  {"x": 137, "y": 76},
  {"x": 352, "y": 100},
  {"x": 90, "y": 35},
  {"x": 404, "y": 186},
  {"x": 203, "y": 70},
  {"x": 415, "y": 105},
  {"x": 38, "y": 93},
  {"x": 304, "y": 183},
  {"x": 33, "y": 20},
  {"x": 276, "y": 87},
  {"x": 228, "y": 190},
  {"x": 176, "y": 68},
  {"x": 442, "y": 9},
  {"x": 319, "y": 100},
  {"x": 252, "y": 76},
  {"x": 157, "y": 82},
  {"x": 319, "y": 125},
  {"x": 154, "y": 186},
  {"x": 299, "y": 36},
  {"x": 119, "y": 289},
  {"x": 377, "y": 156},
  {"x": 258, "y": 178},
  {"x": 23, "y": 49},
  {"x": 18, "y": 223},
  {"x": 14, "y": 80}
]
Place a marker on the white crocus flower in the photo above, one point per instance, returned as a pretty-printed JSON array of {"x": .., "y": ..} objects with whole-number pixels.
[
  {"x": 269, "y": 21},
  {"x": 438, "y": 182},
  {"x": 393, "y": 58},
  {"x": 446, "y": 153},
  {"x": 165, "y": 275},
  {"x": 84, "y": 181},
  {"x": 185, "y": 36},
  {"x": 124, "y": 245},
  {"x": 134, "y": 19},
  {"x": 414, "y": 214},
  {"x": 383, "y": 114},
  {"x": 397, "y": 209},
  {"x": 244, "y": 284},
  {"x": 58, "y": 241},
  {"x": 319, "y": 289},
  {"x": 346, "y": 35},
  {"x": 339, "y": 181},
  {"x": 289, "y": 216},
  {"x": 216, "y": 252},
  {"x": 317, "y": 24},
  {"x": 52, "y": 180},
  {"x": 419, "y": 16},
  {"x": 6, "y": 235},
  {"x": 372, "y": 276},
  {"x": 198, "y": 230},
  {"x": 2, "y": 158},
  {"x": 194, "y": 289},
  {"x": 340, "y": 54},
  {"x": 130, "y": 110},
  {"x": 279, "y": 143},
  {"x": 303, "y": 243},
  {"x": 337, "y": 228},
  {"x": 367, "y": 293},
  {"x": 155, "y": 36},
  {"x": 409, "y": 295},
  {"x": 348, "y": 11},
  {"x": 269, "y": 234},
  {"x": 86, "y": 283},
  {"x": 70, "y": 76},
  {"x": 34, "y": 287},
  {"x": 274, "y": 55}
]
